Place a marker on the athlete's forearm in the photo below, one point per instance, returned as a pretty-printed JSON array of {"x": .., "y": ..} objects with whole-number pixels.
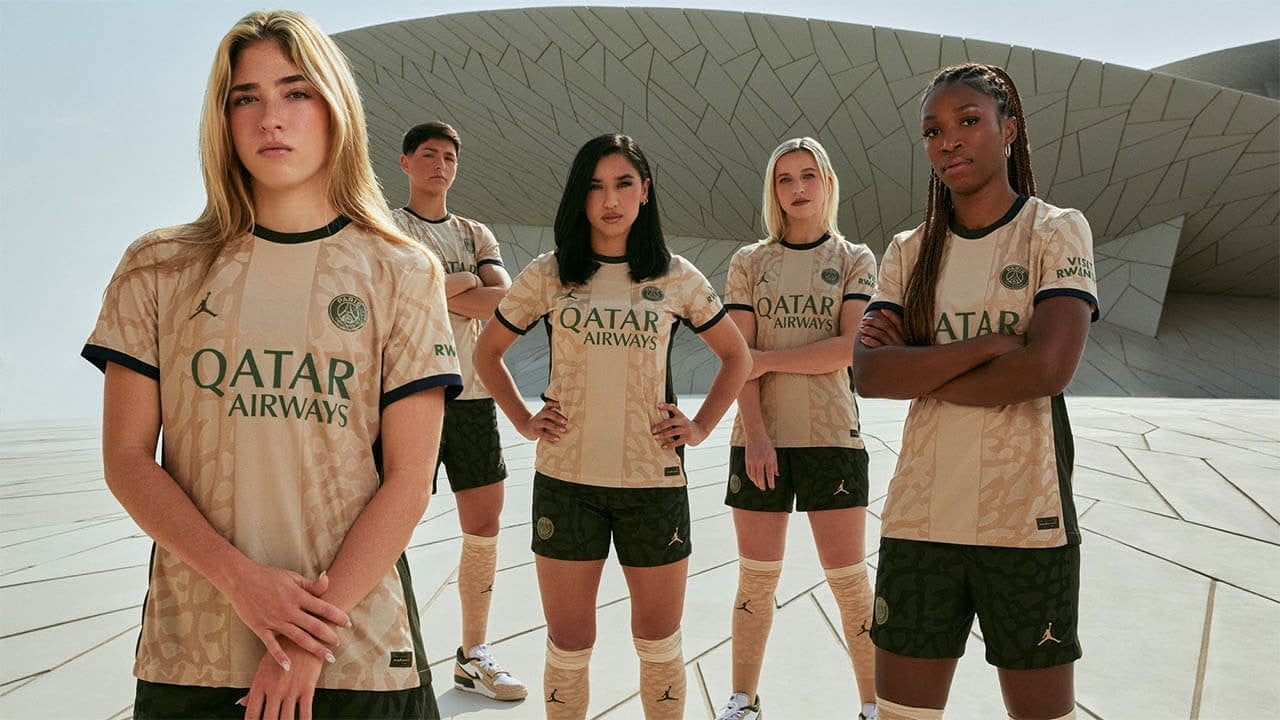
[
  {"x": 749, "y": 410},
  {"x": 410, "y": 439},
  {"x": 816, "y": 358},
  {"x": 476, "y": 303},
  {"x": 735, "y": 366},
  {"x": 493, "y": 372},
  {"x": 903, "y": 372},
  {"x": 167, "y": 515},
  {"x": 460, "y": 282}
]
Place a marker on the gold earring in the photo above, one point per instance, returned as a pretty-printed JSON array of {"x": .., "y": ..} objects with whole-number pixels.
[{"x": 1007, "y": 150}]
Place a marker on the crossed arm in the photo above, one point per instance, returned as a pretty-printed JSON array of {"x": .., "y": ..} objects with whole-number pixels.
[
  {"x": 987, "y": 370},
  {"x": 475, "y": 295}
]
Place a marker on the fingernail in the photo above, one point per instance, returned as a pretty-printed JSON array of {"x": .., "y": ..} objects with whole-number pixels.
[
  {"x": 328, "y": 657},
  {"x": 240, "y": 702},
  {"x": 286, "y": 665}
]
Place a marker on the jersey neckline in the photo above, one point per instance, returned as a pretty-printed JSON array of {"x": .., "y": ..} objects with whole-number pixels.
[
  {"x": 300, "y": 237},
  {"x": 1008, "y": 217},
  {"x": 806, "y": 246},
  {"x": 609, "y": 259},
  {"x": 446, "y": 217}
]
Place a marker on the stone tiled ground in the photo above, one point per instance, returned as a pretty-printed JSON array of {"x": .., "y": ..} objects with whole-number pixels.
[{"x": 1179, "y": 501}]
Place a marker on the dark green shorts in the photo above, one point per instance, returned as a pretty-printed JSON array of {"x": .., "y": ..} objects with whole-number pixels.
[
  {"x": 470, "y": 447},
  {"x": 158, "y": 701},
  {"x": 1027, "y": 601},
  {"x": 648, "y": 526},
  {"x": 817, "y": 478}
]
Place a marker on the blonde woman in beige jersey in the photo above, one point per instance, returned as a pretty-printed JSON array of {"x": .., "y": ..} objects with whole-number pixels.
[
  {"x": 797, "y": 297},
  {"x": 979, "y": 319},
  {"x": 273, "y": 344}
]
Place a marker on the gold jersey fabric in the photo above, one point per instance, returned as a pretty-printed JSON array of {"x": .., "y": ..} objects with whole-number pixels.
[
  {"x": 610, "y": 364},
  {"x": 462, "y": 245},
  {"x": 272, "y": 376},
  {"x": 995, "y": 476},
  {"x": 797, "y": 293}
]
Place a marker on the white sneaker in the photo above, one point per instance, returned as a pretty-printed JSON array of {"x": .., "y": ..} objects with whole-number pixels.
[
  {"x": 740, "y": 708},
  {"x": 480, "y": 673}
]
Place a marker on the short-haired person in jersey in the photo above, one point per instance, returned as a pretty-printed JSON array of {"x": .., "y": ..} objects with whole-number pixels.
[
  {"x": 291, "y": 350},
  {"x": 609, "y": 462},
  {"x": 470, "y": 447},
  {"x": 980, "y": 318},
  {"x": 797, "y": 297}
]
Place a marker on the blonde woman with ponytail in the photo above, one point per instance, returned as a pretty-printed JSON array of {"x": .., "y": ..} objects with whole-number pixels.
[
  {"x": 980, "y": 319},
  {"x": 290, "y": 349}
]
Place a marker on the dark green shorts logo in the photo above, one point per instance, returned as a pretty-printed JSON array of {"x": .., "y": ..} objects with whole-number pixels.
[
  {"x": 348, "y": 312},
  {"x": 831, "y": 275},
  {"x": 1014, "y": 277},
  {"x": 652, "y": 293},
  {"x": 546, "y": 528},
  {"x": 882, "y": 610},
  {"x": 735, "y": 484}
]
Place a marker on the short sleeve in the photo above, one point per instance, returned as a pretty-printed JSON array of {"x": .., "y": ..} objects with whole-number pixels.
[
  {"x": 488, "y": 252},
  {"x": 892, "y": 281},
  {"x": 528, "y": 298},
  {"x": 738, "y": 285},
  {"x": 128, "y": 328},
  {"x": 1066, "y": 261},
  {"x": 860, "y": 274},
  {"x": 419, "y": 352},
  {"x": 699, "y": 304}
]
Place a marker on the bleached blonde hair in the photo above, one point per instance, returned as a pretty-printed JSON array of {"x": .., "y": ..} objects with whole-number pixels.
[{"x": 775, "y": 218}]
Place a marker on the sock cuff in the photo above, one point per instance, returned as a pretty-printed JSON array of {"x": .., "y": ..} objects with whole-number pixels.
[
  {"x": 846, "y": 571},
  {"x": 905, "y": 711},
  {"x": 567, "y": 659},
  {"x": 479, "y": 540},
  {"x": 771, "y": 567},
  {"x": 1069, "y": 716},
  {"x": 659, "y": 651}
]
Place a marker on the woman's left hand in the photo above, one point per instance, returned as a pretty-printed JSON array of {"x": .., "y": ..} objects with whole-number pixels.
[
  {"x": 678, "y": 429},
  {"x": 279, "y": 694}
]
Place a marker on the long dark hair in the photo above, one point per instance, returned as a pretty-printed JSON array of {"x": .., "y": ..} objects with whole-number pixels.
[
  {"x": 919, "y": 298},
  {"x": 647, "y": 253}
]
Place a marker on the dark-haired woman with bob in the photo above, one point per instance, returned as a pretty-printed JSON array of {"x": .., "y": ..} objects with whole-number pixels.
[
  {"x": 609, "y": 467},
  {"x": 980, "y": 318}
]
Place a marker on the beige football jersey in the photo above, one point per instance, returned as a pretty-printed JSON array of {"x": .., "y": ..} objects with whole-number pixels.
[
  {"x": 797, "y": 293},
  {"x": 272, "y": 378},
  {"x": 462, "y": 245},
  {"x": 997, "y": 476},
  {"x": 610, "y": 364}
]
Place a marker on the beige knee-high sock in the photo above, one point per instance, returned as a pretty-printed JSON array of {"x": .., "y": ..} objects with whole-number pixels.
[
  {"x": 752, "y": 617},
  {"x": 662, "y": 682},
  {"x": 564, "y": 683},
  {"x": 852, "y": 591},
  {"x": 475, "y": 586},
  {"x": 1069, "y": 716},
  {"x": 893, "y": 711}
]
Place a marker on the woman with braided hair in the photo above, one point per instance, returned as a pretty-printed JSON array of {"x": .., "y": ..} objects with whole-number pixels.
[{"x": 980, "y": 317}]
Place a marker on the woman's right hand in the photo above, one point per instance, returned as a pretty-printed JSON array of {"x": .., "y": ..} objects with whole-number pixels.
[
  {"x": 546, "y": 424},
  {"x": 272, "y": 601},
  {"x": 762, "y": 462}
]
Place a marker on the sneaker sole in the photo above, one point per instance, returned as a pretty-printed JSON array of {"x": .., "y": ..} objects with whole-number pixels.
[{"x": 466, "y": 683}]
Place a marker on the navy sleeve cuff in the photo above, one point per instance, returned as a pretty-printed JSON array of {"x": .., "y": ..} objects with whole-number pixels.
[
  {"x": 490, "y": 261},
  {"x": 883, "y": 304},
  {"x": 1071, "y": 292},
  {"x": 100, "y": 356},
  {"x": 510, "y": 325},
  {"x": 855, "y": 296},
  {"x": 707, "y": 325},
  {"x": 452, "y": 383},
  {"x": 739, "y": 306}
]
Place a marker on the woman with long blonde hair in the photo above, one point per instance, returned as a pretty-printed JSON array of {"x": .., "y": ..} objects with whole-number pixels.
[
  {"x": 797, "y": 296},
  {"x": 291, "y": 350}
]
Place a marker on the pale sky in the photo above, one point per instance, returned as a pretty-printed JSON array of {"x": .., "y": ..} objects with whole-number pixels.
[{"x": 99, "y": 103}]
